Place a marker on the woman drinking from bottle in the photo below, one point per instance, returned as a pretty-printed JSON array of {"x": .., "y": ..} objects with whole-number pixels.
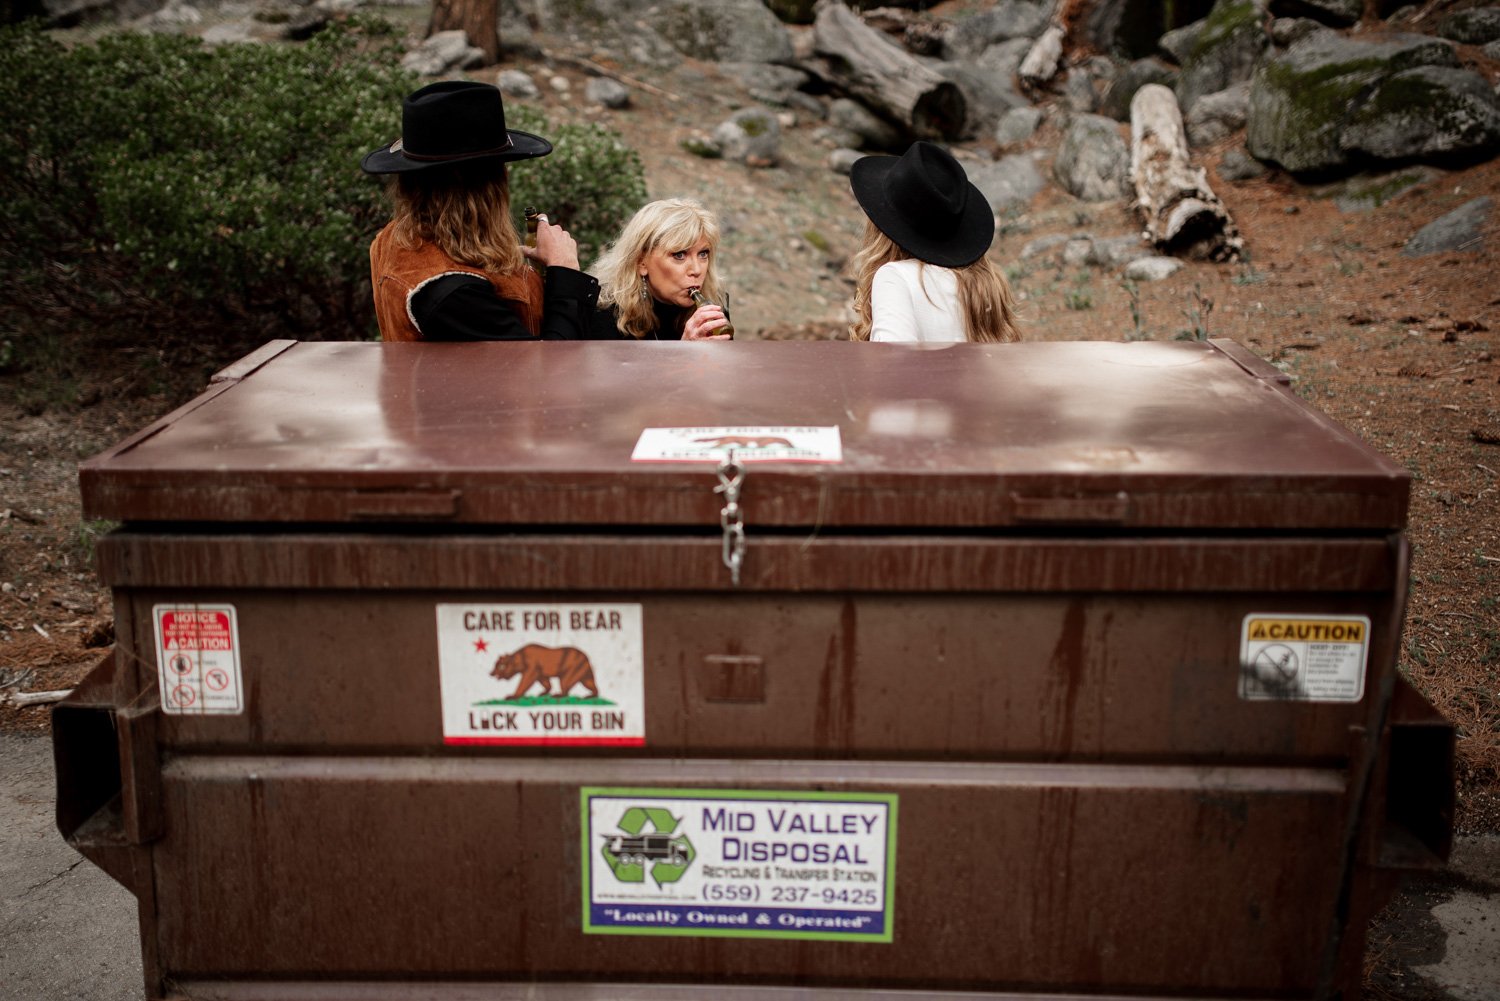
[{"x": 650, "y": 275}]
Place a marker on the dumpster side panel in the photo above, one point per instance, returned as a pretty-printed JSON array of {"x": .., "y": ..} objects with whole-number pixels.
[{"x": 1094, "y": 878}]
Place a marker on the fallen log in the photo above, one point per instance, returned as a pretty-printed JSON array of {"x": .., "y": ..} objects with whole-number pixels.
[
  {"x": 1182, "y": 215},
  {"x": 880, "y": 73}
]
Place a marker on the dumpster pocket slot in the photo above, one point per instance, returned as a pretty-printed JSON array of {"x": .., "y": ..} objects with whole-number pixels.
[
  {"x": 1088, "y": 510},
  {"x": 732, "y": 678}
]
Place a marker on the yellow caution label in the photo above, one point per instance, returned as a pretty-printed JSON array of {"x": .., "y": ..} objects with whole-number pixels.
[
  {"x": 1313, "y": 658},
  {"x": 1307, "y": 630}
]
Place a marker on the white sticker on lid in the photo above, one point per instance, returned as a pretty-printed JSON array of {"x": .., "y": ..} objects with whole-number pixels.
[
  {"x": 198, "y": 660},
  {"x": 750, "y": 444}
]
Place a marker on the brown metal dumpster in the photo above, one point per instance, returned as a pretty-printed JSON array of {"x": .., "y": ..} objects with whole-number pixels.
[{"x": 671, "y": 670}]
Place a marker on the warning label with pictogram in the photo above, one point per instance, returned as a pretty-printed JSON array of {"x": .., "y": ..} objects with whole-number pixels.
[
  {"x": 1308, "y": 658},
  {"x": 198, "y": 659}
]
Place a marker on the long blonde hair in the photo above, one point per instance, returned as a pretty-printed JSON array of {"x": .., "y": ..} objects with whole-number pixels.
[
  {"x": 671, "y": 224},
  {"x": 463, "y": 210},
  {"x": 984, "y": 297}
]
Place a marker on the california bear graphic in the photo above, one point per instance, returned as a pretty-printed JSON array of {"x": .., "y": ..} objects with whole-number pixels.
[{"x": 535, "y": 663}]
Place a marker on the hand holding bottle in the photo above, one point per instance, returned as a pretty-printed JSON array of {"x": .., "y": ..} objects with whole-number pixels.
[
  {"x": 709, "y": 321},
  {"x": 555, "y": 247}
]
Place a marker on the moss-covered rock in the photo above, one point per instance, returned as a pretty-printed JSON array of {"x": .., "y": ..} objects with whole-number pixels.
[
  {"x": 1301, "y": 101},
  {"x": 1224, "y": 51},
  {"x": 1430, "y": 111}
]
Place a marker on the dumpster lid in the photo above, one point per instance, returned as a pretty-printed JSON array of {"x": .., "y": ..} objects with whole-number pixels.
[{"x": 1143, "y": 435}]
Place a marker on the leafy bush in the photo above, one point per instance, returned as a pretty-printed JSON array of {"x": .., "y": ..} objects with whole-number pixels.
[
  {"x": 163, "y": 194},
  {"x": 591, "y": 184},
  {"x": 164, "y": 191}
]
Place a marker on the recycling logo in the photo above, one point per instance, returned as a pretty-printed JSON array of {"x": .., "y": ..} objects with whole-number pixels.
[{"x": 635, "y": 850}]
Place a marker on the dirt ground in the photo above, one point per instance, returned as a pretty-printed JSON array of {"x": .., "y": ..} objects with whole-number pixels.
[{"x": 1401, "y": 350}]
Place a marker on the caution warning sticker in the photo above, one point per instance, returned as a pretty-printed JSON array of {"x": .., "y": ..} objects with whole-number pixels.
[
  {"x": 569, "y": 674},
  {"x": 1312, "y": 658},
  {"x": 198, "y": 660}
]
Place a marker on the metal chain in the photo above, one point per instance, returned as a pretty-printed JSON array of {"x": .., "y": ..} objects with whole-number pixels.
[{"x": 731, "y": 516}]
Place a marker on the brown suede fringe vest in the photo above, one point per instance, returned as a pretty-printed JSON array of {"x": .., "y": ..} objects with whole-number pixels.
[{"x": 398, "y": 274}]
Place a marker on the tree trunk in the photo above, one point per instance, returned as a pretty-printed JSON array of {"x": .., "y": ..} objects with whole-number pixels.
[
  {"x": 479, "y": 19},
  {"x": 881, "y": 73},
  {"x": 1182, "y": 214}
]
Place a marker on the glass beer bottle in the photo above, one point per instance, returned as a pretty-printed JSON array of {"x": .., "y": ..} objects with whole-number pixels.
[{"x": 699, "y": 299}]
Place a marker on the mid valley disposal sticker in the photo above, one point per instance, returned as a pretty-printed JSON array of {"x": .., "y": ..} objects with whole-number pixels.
[{"x": 739, "y": 863}]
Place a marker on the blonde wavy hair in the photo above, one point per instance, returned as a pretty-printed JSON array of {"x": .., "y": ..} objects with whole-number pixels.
[
  {"x": 984, "y": 296},
  {"x": 670, "y": 224},
  {"x": 463, "y": 210}
]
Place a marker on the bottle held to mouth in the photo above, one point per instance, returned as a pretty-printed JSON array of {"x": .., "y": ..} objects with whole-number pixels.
[{"x": 699, "y": 299}]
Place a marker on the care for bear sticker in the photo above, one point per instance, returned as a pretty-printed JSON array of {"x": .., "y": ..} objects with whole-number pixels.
[
  {"x": 749, "y": 444},
  {"x": 198, "y": 660},
  {"x": 542, "y": 674},
  {"x": 1310, "y": 658},
  {"x": 739, "y": 863}
]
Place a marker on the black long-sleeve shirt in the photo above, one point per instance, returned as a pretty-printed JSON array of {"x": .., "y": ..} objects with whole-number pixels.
[{"x": 464, "y": 307}]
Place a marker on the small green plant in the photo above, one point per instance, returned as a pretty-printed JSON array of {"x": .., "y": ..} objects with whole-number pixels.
[
  {"x": 1137, "y": 330},
  {"x": 1079, "y": 296},
  {"x": 86, "y": 535},
  {"x": 817, "y": 240},
  {"x": 1197, "y": 315}
]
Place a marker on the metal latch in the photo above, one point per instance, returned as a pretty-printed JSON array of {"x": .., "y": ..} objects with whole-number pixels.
[{"x": 731, "y": 515}]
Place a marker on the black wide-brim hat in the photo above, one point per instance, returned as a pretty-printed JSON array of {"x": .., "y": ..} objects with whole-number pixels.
[
  {"x": 926, "y": 204},
  {"x": 451, "y": 122}
]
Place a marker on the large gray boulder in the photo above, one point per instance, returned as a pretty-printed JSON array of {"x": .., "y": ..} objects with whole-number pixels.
[
  {"x": 1475, "y": 26},
  {"x": 987, "y": 96},
  {"x": 1218, "y": 116},
  {"x": 1301, "y": 100},
  {"x": 1008, "y": 19},
  {"x": 1093, "y": 161},
  {"x": 751, "y": 137},
  {"x": 1459, "y": 230},
  {"x": 1430, "y": 111},
  {"x": 873, "y": 131},
  {"x": 1116, "y": 100},
  {"x": 711, "y": 30},
  {"x": 1339, "y": 13},
  {"x": 1178, "y": 44},
  {"x": 1224, "y": 52},
  {"x": 1011, "y": 180}
]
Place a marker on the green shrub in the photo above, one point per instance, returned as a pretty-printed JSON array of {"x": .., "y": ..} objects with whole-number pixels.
[
  {"x": 162, "y": 191},
  {"x": 591, "y": 184},
  {"x": 163, "y": 194}
]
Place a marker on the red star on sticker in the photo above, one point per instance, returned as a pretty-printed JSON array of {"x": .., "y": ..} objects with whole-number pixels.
[{"x": 480, "y": 646}]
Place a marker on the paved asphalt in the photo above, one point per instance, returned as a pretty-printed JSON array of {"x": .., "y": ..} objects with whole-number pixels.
[{"x": 68, "y": 931}]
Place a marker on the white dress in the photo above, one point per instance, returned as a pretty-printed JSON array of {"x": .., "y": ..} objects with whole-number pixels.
[{"x": 913, "y": 301}]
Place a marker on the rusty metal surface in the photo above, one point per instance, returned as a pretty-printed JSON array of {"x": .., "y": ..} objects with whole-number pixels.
[
  {"x": 645, "y": 563},
  {"x": 1128, "y": 435},
  {"x": 943, "y": 676},
  {"x": 436, "y": 990},
  {"x": 1008, "y": 876}
]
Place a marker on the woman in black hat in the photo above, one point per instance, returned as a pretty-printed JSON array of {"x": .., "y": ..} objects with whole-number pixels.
[
  {"x": 449, "y": 265},
  {"x": 921, "y": 273}
]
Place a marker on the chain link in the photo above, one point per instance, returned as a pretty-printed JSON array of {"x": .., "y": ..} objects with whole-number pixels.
[{"x": 731, "y": 516}]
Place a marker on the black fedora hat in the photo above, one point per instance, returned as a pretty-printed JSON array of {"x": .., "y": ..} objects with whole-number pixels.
[
  {"x": 925, "y": 203},
  {"x": 450, "y": 122}
]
